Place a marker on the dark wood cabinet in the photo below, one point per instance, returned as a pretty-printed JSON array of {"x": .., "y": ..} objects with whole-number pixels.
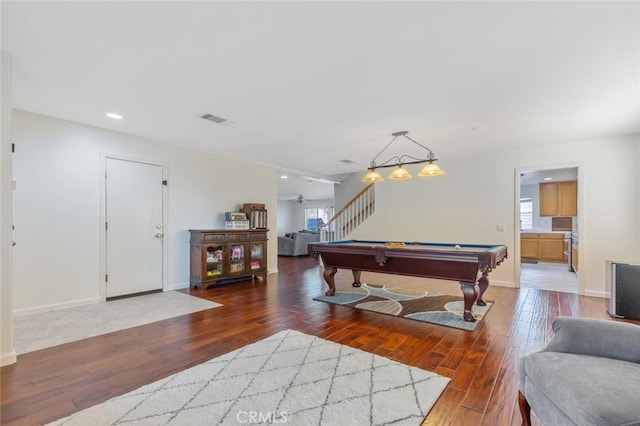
[{"x": 217, "y": 255}]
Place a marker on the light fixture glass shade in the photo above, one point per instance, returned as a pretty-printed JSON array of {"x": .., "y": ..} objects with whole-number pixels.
[
  {"x": 431, "y": 169},
  {"x": 400, "y": 173},
  {"x": 372, "y": 176}
]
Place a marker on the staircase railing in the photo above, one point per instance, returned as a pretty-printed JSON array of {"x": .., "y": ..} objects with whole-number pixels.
[{"x": 350, "y": 216}]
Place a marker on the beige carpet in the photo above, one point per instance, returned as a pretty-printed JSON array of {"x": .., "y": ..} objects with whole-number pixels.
[{"x": 43, "y": 330}]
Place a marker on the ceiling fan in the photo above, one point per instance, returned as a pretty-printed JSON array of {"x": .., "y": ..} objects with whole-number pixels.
[{"x": 301, "y": 199}]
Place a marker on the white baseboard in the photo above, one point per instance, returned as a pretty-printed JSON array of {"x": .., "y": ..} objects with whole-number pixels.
[
  {"x": 8, "y": 359},
  {"x": 177, "y": 286},
  {"x": 601, "y": 294},
  {"x": 509, "y": 284},
  {"x": 55, "y": 307}
]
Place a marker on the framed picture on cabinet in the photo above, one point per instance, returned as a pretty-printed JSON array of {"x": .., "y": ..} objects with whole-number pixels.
[
  {"x": 236, "y": 216},
  {"x": 256, "y": 251},
  {"x": 236, "y": 267}
]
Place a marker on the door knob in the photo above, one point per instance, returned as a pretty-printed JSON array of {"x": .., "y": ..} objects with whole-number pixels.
[{"x": 159, "y": 235}]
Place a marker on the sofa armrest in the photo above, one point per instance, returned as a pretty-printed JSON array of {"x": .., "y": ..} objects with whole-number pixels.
[
  {"x": 301, "y": 246},
  {"x": 603, "y": 338},
  {"x": 285, "y": 246}
]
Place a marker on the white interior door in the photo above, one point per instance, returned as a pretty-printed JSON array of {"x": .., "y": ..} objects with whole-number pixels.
[{"x": 134, "y": 227}]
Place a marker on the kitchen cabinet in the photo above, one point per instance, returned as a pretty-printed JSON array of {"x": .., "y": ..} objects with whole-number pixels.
[
  {"x": 551, "y": 247},
  {"x": 559, "y": 198},
  {"x": 574, "y": 258},
  {"x": 529, "y": 246},
  {"x": 548, "y": 247}
]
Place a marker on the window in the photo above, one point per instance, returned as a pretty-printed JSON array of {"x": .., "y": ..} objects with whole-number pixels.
[
  {"x": 526, "y": 214},
  {"x": 316, "y": 216}
]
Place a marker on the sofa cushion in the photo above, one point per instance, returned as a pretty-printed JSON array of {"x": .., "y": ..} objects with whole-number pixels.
[{"x": 590, "y": 390}]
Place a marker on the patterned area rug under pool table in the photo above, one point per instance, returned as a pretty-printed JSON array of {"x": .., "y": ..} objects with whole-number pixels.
[{"x": 419, "y": 305}]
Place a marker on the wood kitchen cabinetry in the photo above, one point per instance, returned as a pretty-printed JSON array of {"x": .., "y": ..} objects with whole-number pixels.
[
  {"x": 559, "y": 198},
  {"x": 543, "y": 247},
  {"x": 222, "y": 254},
  {"x": 529, "y": 246},
  {"x": 551, "y": 247}
]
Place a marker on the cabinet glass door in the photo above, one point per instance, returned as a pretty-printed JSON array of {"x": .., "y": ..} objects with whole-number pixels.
[
  {"x": 257, "y": 256},
  {"x": 236, "y": 258},
  {"x": 213, "y": 261}
]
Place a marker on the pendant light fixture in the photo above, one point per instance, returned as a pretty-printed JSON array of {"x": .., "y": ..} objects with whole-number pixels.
[{"x": 400, "y": 173}]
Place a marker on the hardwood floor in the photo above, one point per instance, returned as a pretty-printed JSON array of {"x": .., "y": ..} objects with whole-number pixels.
[{"x": 52, "y": 383}]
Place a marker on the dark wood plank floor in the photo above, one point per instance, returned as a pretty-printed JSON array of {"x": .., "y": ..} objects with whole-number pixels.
[{"x": 52, "y": 383}]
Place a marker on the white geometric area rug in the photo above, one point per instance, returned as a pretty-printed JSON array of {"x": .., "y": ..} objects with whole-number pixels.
[{"x": 288, "y": 378}]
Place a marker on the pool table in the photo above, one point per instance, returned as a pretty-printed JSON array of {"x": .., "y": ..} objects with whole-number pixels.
[{"x": 466, "y": 263}]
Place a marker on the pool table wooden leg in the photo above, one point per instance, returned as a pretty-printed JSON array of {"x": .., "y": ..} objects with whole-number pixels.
[
  {"x": 356, "y": 278},
  {"x": 483, "y": 283},
  {"x": 470, "y": 294}
]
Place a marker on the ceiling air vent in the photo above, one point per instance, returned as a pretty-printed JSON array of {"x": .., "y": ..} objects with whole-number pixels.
[
  {"x": 214, "y": 118},
  {"x": 347, "y": 161}
]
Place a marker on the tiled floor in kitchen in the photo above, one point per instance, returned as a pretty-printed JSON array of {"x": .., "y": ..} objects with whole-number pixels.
[{"x": 548, "y": 276}]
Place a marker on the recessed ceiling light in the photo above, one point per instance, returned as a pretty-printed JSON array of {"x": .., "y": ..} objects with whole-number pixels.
[
  {"x": 114, "y": 116},
  {"x": 284, "y": 177},
  {"x": 547, "y": 179}
]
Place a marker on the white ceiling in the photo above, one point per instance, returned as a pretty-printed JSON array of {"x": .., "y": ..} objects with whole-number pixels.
[
  {"x": 534, "y": 177},
  {"x": 308, "y": 84},
  {"x": 291, "y": 186}
]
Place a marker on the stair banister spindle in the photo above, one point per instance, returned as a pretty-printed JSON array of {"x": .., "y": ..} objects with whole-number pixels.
[{"x": 350, "y": 216}]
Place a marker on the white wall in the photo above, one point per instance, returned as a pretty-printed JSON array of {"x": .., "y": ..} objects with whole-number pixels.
[
  {"x": 478, "y": 193},
  {"x": 291, "y": 214},
  {"x": 284, "y": 217},
  {"x": 57, "y": 205},
  {"x": 348, "y": 189},
  {"x": 540, "y": 224},
  {"x": 7, "y": 352}
]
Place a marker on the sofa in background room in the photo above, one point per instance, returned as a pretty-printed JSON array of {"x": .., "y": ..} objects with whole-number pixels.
[{"x": 295, "y": 243}]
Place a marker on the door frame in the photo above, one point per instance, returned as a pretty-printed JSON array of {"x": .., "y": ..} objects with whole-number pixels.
[
  {"x": 581, "y": 213},
  {"x": 103, "y": 218}
]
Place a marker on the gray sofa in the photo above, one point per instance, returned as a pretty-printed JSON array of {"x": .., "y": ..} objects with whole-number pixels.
[
  {"x": 589, "y": 374},
  {"x": 295, "y": 244}
]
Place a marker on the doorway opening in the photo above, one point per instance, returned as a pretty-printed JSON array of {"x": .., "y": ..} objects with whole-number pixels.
[{"x": 547, "y": 209}]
